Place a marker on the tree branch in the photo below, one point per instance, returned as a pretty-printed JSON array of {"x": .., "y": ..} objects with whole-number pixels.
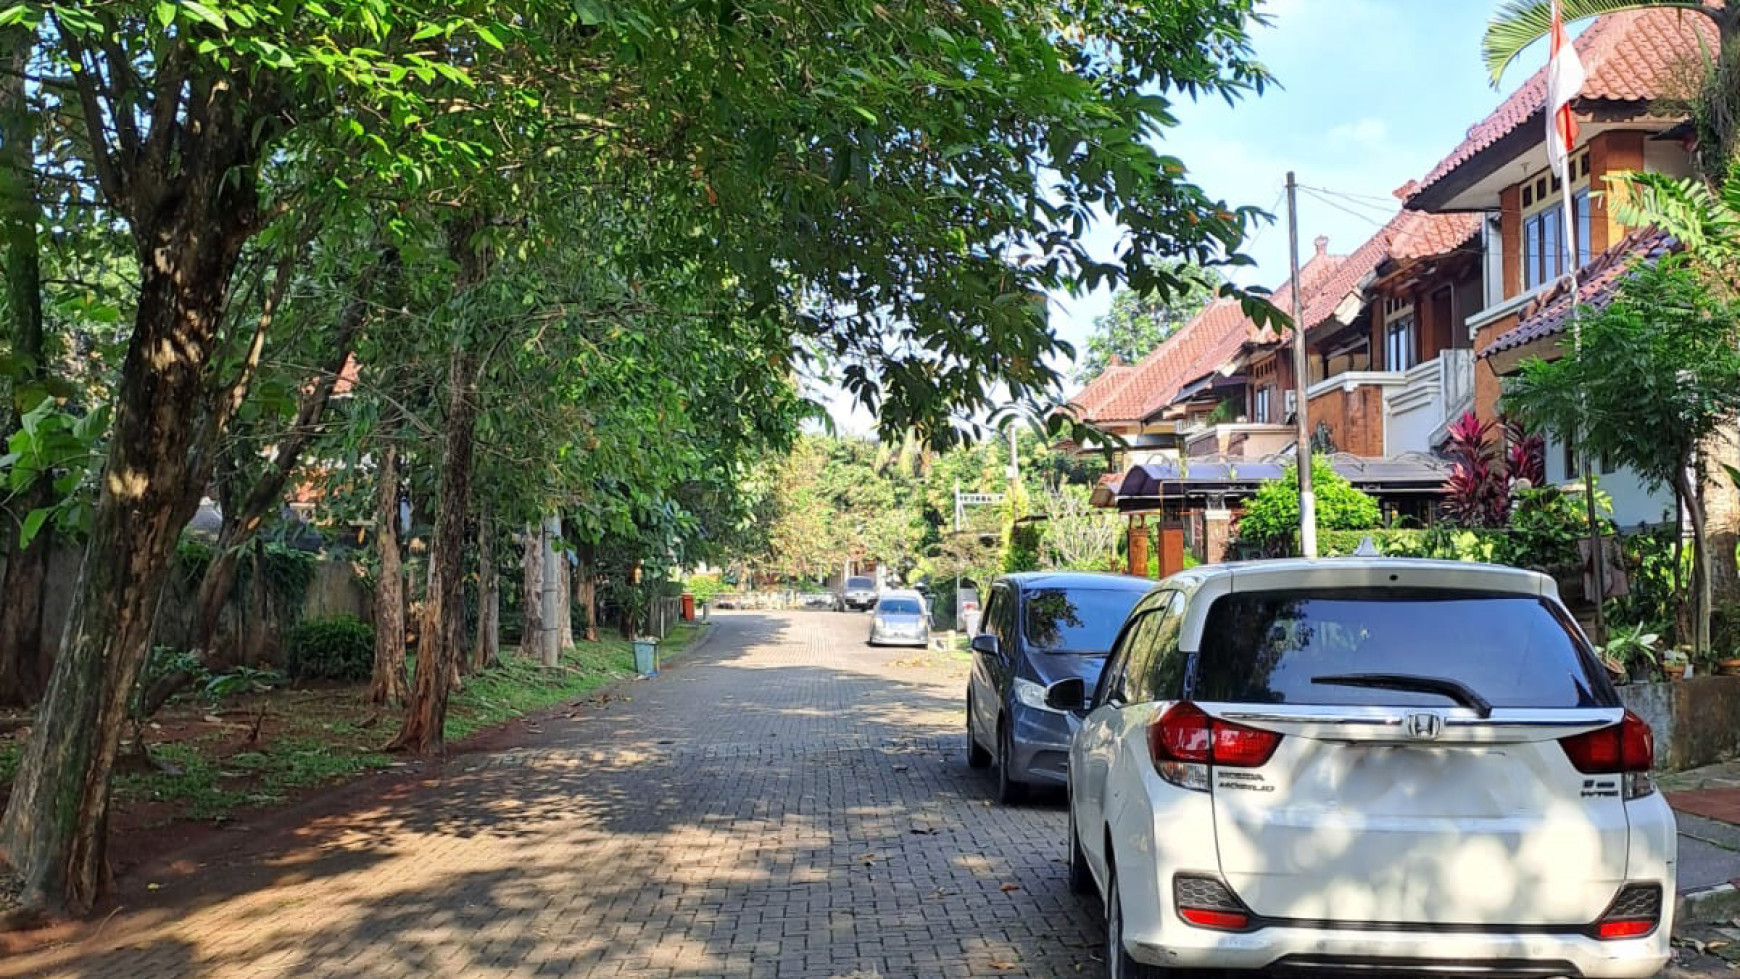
[{"x": 110, "y": 175}]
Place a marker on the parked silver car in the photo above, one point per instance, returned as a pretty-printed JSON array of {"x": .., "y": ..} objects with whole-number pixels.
[
  {"x": 859, "y": 594},
  {"x": 900, "y": 619}
]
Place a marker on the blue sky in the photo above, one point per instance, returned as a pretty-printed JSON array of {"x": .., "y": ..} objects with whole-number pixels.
[{"x": 1371, "y": 94}]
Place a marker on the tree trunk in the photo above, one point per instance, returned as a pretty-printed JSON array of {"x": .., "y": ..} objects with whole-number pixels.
[
  {"x": 488, "y": 649},
  {"x": 387, "y": 686},
  {"x": 532, "y": 593},
  {"x": 1722, "y": 513},
  {"x": 53, "y": 832},
  {"x": 550, "y": 645},
  {"x": 24, "y": 657},
  {"x": 1701, "y": 583},
  {"x": 439, "y": 651},
  {"x": 586, "y": 577},
  {"x": 564, "y": 602}
]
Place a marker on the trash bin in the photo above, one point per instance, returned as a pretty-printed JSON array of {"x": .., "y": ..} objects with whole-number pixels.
[
  {"x": 688, "y": 607},
  {"x": 646, "y": 657}
]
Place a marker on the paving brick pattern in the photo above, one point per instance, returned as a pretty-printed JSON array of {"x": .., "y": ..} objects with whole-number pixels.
[{"x": 785, "y": 803}]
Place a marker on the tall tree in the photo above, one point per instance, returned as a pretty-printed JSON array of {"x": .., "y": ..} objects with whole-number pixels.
[
  {"x": 181, "y": 108},
  {"x": 1138, "y": 323},
  {"x": 23, "y": 651}
]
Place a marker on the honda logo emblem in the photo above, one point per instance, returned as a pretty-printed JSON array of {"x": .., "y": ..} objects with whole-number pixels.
[{"x": 1424, "y": 727}]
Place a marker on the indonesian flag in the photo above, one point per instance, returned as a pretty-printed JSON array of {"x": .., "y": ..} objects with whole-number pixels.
[{"x": 1564, "y": 80}]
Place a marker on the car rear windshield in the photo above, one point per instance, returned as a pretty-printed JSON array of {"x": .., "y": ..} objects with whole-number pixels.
[
  {"x": 859, "y": 584},
  {"x": 1075, "y": 620},
  {"x": 1288, "y": 647},
  {"x": 898, "y": 606}
]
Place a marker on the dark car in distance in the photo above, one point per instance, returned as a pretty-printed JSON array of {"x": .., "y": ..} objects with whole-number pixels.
[{"x": 1038, "y": 628}]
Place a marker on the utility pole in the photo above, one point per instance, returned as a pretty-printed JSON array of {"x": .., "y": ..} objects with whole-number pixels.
[
  {"x": 1302, "y": 430},
  {"x": 550, "y": 642}
]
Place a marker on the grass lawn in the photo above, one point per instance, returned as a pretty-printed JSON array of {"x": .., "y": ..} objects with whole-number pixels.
[{"x": 320, "y": 735}]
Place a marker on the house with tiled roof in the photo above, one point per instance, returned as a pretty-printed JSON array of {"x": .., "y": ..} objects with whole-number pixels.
[
  {"x": 1141, "y": 403},
  {"x": 1387, "y": 369},
  {"x": 1640, "y": 66}
]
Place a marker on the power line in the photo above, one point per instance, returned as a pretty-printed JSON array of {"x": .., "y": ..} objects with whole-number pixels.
[
  {"x": 1386, "y": 201},
  {"x": 1374, "y": 222}
]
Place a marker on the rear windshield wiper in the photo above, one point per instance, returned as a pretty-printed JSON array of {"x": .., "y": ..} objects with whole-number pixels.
[{"x": 1456, "y": 690}]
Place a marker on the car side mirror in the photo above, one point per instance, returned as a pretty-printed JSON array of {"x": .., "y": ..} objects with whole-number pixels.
[
  {"x": 987, "y": 643},
  {"x": 1067, "y": 695}
]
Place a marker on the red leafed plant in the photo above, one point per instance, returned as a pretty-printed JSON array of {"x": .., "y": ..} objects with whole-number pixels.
[
  {"x": 1477, "y": 494},
  {"x": 1526, "y": 457}
]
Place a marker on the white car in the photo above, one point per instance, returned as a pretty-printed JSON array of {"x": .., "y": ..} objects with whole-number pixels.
[{"x": 1361, "y": 765}]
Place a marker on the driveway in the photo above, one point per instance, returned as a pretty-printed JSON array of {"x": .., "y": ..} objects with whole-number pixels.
[{"x": 783, "y": 803}]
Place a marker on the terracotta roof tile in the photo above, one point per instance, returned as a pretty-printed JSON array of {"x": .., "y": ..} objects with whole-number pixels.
[
  {"x": 1101, "y": 389},
  {"x": 1410, "y": 235},
  {"x": 1638, "y": 56},
  {"x": 1210, "y": 339},
  {"x": 1550, "y": 313}
]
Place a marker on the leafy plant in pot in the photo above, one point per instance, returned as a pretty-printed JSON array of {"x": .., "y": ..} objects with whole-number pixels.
[
  {"x": 1674, "y": 663},
  {"x": 1725, "y": 638},
  {"x": 1630, "y": 654}
]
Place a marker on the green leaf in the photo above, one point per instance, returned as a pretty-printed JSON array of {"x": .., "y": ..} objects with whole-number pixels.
[
  {"x": 33, "y": 522},
  {"x": 165, "y": 13},
  {"x": 15, "y": 14},
  {"x": 205, "y": 13},
  {"x": 489, "y": 37}
]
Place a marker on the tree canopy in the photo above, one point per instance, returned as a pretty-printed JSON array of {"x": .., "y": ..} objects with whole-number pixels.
[{"x": 1137, "y": 323}]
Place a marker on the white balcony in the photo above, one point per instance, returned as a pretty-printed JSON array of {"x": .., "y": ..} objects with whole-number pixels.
[
  {"x": 1418, "y": 403},
  {"x": 1437, "y": 392}
]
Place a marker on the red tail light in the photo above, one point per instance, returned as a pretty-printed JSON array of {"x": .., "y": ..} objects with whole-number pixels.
[
  {"x": 1628, "y": 746},
  {"x": 1610, "y": 930},
  {"x": 1185, "y": 733},
  {"x": 1223, "y": 920}
]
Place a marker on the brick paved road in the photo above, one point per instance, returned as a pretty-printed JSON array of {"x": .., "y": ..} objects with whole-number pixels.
[{"x": 786, "y": 803}]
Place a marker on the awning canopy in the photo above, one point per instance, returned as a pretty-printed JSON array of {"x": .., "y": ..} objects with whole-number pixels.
[{"x": 1217, "y": 481}]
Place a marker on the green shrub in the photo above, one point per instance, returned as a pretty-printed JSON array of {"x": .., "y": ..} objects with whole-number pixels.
[
  {"x": 1442, "y": 543},
  {"x": 705, "y": 588},
  {"x": 339, "y": 648},
  {"x": 1546, "y": 526},
  {"x": 1272, "y": 516},
  {"x": 1021, "y": 535}
]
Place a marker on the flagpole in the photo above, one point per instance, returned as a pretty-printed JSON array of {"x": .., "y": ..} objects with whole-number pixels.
[
  {"x": 1597, "y": 559},
  {"x": 1564, "y": 80}
]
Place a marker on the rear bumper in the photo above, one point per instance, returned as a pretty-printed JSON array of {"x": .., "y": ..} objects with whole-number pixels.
[{"x": 1331, "y": 952}]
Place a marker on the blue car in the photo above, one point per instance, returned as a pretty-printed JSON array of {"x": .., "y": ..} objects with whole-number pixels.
[{"x": 1038, "y": 628}]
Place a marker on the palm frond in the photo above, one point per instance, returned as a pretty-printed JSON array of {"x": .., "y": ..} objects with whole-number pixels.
[
  {"x": 1519, "y": 23},
  {"x": 1683, "y": 207}
]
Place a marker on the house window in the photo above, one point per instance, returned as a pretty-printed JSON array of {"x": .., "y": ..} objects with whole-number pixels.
[
  {"x": 1260, "y": 406},
  {"x": 1543, "y": 230},
  {"x": 1574, "y": 470},
  {"x": 1401, "y": 342}
]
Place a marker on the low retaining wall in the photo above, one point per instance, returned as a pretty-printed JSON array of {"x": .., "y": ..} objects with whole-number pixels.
[{"x": 1696, "y": 721}]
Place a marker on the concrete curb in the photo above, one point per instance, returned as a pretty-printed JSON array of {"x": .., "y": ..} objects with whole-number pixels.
[{"x": 1708, "y": 906}]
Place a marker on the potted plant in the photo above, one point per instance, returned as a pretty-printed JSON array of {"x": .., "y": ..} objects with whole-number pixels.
[
  {"x": 1674, "y": 663},
  {"x": 1630, "y": 653},
  {"x": 1725, "y": 639}
]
